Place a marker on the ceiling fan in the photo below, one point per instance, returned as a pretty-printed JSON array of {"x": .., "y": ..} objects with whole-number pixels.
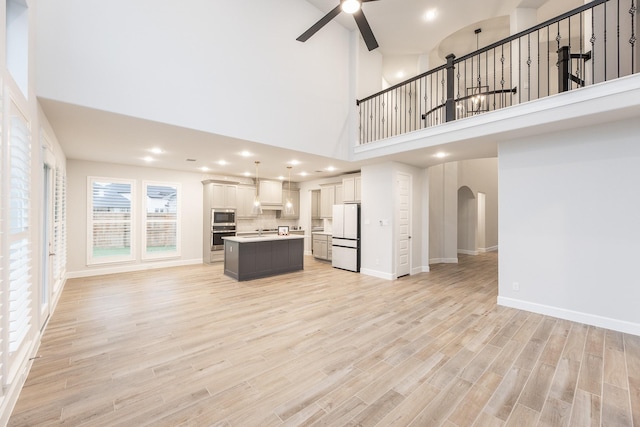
[{"x": 353, "y": 7}]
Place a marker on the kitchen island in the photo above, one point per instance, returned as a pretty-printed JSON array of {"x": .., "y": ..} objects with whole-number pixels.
[{"x": 251, "y": 257}]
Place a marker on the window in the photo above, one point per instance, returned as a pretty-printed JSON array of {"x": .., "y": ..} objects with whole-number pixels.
[
  {"x": 17, "y": 43},
  {"x": 110, "y": 222},
  {"x": 19, "y": 242},
  {"x": 59, "y": 227},
  {"x": 161, "y": 220}
]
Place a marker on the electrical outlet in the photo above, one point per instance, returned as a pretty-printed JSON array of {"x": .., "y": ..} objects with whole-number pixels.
[{"x": 516, "y": 286}]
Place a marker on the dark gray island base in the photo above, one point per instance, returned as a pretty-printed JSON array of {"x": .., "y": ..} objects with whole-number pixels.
[{"x": 247, "y": 258}]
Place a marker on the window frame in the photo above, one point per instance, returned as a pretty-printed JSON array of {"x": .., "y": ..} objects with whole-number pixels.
[
  {"x": 91, "y": 259},
  {"x": 146, "y": 255},
  {"x": 18, "y": 242}
]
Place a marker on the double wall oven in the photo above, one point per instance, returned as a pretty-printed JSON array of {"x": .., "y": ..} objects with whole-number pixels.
[{"x": 223, "y": 224}]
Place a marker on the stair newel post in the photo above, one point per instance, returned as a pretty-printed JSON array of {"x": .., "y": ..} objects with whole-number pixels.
[
  {"x": 564, "y": 61},
  {"x": 450, "y": 104}
]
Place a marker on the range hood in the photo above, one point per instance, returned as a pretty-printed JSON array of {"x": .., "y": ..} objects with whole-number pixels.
[{"x": 272, "y": 207}]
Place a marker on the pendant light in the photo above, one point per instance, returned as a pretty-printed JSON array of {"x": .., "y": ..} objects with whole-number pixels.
[
  {"x": 256, "y": 209},
  {"x": 288, "y": 206}
]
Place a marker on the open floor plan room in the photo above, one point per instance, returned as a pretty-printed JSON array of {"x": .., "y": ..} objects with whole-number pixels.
[{"x": 321, "y": 346}]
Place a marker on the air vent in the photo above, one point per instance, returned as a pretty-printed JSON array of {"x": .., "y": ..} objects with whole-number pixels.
[{"x": 191, "y": 160}]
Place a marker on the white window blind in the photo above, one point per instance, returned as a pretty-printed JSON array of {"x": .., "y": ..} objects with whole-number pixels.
[
  {"x": 19, "y": 241},
  {"x": 110, "y": 220},
  {"x": 161, "y": 220},
  {"x": 59, "y": 231}
]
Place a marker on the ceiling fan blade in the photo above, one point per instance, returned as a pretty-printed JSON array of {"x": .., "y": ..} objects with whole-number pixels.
[
  {"x": 321, "y": 23},
  {"x": 365, "y": 30}
]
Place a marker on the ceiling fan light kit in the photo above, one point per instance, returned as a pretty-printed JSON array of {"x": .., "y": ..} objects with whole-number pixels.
[
  {"x": 350, "y": 6},
  {"x": 353, "y": 7}
]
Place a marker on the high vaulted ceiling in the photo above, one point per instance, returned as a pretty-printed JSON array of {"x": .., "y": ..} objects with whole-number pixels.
[{"x": 405, "y": 37}]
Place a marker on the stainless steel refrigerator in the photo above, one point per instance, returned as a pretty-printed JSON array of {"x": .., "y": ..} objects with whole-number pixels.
[{"x": 346, "y": 237}]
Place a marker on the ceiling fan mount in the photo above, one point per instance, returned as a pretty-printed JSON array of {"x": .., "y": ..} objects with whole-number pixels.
[{"x": 353, "y": 7}]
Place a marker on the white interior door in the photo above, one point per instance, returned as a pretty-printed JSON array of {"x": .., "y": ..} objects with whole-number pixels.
[
  {"x": 403, "y": 224},
  {"x": 47, "y": 245}
]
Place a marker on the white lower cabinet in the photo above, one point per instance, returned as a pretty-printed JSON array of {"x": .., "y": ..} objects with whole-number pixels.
[{"x": 321, "y": 246}]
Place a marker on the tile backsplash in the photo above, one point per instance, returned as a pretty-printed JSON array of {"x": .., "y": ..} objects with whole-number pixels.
[{"x": 266, "y": 220}]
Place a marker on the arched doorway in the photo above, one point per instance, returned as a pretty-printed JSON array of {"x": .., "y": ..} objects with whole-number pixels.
[{"x": 467, "y": 221}]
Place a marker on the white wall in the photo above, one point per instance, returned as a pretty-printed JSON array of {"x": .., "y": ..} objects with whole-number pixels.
[
  {"x": 569, "y": 226},
  {"x": 377, "y": 239},
  {"x": 443, "y": 213},
  {"x": 191, "y": 215},
  {"x": 481, "y": 175},
  {"x": 215, "y": 66}
]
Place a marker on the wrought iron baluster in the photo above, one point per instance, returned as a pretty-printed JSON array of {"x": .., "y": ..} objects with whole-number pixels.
[
  {"x": 632, "y": 40},
  {"x": 548, "y": 62},
  {"x": 528, "y": 67},
  {"x": 538, "y": 59},
  {"x": 593, "y": 46},
  {"x": 618, "y": 35},
  {"x": 605, "y": 41}
]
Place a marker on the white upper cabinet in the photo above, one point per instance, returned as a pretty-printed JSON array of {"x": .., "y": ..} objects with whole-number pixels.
[
  {"x": 223, "y": 196},
  {"x": 270, "y": 192},
  {"x": 245, "y": 196},
  {"x": 351, "y": 189},
  {"x": 328, "y": 199}
]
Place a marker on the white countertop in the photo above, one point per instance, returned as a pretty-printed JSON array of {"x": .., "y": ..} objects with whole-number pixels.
[
  {"x": 324, "y": 233},
  {"x": 270, "y": 232},
  {"x": 263, "y": 238}
]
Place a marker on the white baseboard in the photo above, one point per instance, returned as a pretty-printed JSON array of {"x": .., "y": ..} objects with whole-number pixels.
[
  {"x": 421, "y": 269},
  {"x": 378, "y": 274},
  {"x": 132, "y": 267},
  {"x": 443, "y": 261},
  {"x": 489, "y": 249},
  {"x": 574, "y": 316},
  {"x": 12, "y": 390},
  {"x": 466, "y": 252}
]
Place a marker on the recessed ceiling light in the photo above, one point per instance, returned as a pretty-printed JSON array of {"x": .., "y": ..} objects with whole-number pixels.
[
  {"x": 204, "y": 169},
  {"x": 440, "y": 155},
  {"x": 281, "y": 178},
  {"x": 400, "y": 74},
  {"x": 294, "y": 162},
  {"x": 331, "y": 168},
  {"x": 222, "y": 162},
  {"x": 303, "y": 174},
  {"x": 247, "y": 174},
  {"x": 430, "y": 15},
  {"x": 156, "y": 150},
  {"x": 148, "y": 159},
  {"x": 245, "y": 153}
]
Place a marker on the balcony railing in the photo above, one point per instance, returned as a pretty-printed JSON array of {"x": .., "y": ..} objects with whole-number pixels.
[{"x": 590, "y": 44}]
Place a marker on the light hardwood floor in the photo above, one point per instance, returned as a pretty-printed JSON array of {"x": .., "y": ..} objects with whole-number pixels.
[{"x": 189, "y": 346}]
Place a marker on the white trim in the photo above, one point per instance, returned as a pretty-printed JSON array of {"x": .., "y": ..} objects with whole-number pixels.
[
  {"x": 378, "y": 274},
  {"x": 600, "y": 103},
  {"x": 574, "y": 316},
  {"x": 466, "y": 252},
  {"x": 147, "y": 256},
  {"x": 132, "y": 268},
  {"x": 489, "y": 249},
  {"x": 421, "y": 269},
  {"x": 132, "y": 222},
  {"x": 443, "y": 261},
  {"x": 12, "y": 392}
]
